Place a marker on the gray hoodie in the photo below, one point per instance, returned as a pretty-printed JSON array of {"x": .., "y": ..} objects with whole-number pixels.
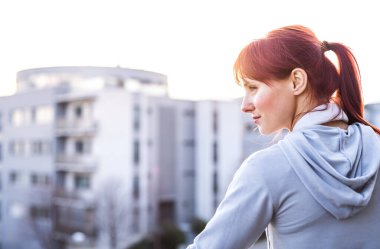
[{"x": 316, "y": 188}]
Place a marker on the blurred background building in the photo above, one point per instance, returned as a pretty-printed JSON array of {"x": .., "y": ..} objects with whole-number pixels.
[
  {"x": 372, "y": 113},
  {"x": 94, "y": 157}
]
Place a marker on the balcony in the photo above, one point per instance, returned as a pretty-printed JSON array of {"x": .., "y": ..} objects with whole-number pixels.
[
  {"x": 74, "y": 198},
  {"x": 74, "y": 212},
  {"x": 80, "y": 127},
  {"x": 76, "y": 163},
  {"x": 72, "y": 220},
  {"x": 71, "y": 227}
]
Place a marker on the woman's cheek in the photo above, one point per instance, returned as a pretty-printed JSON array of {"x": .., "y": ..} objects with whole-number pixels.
[{"x": 264, "y": 101}]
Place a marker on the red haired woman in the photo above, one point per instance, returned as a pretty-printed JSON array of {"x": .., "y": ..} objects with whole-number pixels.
[{"x": 318, "y": 187}]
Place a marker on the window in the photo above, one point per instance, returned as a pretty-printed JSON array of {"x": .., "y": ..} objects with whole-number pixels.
[
  {"x": 136, "y": 152},
  {"x": 37, "y": 147},
  {"x": 120, "y": 82},
  {"x": 82, "y": 182},
  {"x": 167, "y": 211},
  {"x": 1, "y": 182},
  {"x": 78, "y": 216},
  {"x": 61, "y": 178},
  {"x": 43, "y": 115},
  {"x": 215, "y": 152},
  {"x": 34, "y": 179},
  {"x": 33, "y": 114},
  {"x": 136, "y": 118},
  {"x": 79, "y": 147},
  {"x": 215, "y": 183},
  {"x": 18, "y": 117},
  {"x": 215, "y": 121},
  {"x": 17, "y": 148},
  {"x": 14, "y": 177},
  {"x": 39, "y": 179},
  {"x": 61, "y": 109},
  {"x": 215, "y": 189},
  {"x": 36, "y": 212},
  {"x": 40, "y": 147},
  {"x": 136, "y": 220},
  {"x": 46, "y": 179},
  {"x": 82, "y": 146},
  {"x": 1, "y": 152},
  {"x": 78, "y": 112},
  {"x": 37, "y": 115},
  {"x": 136, "y": 187}
]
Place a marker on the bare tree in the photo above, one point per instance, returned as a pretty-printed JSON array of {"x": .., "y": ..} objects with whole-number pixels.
[
  {"x": 112, "y": 212},
  {"x": 111, "y": 208},
  {"x": 40, "y": 218}
]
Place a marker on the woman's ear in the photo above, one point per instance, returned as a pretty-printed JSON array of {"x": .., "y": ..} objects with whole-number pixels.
[{"x": 299, "y": 78}]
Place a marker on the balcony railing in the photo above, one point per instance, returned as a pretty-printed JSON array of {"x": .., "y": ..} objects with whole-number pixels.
[
  {"x": 74, "y": 198},
  {"x": 67, "y": 223},
  {"x": 77, "y": 163},
  {"x": 73, "y": 127}
]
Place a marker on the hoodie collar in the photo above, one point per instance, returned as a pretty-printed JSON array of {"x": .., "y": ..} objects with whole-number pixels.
[
  {"x": 338, "y": 167},
  {"x": 320, "y": 115}
]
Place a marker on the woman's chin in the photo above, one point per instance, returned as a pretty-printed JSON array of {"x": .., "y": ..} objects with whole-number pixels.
[
  {"x": 264, "y": 131},
  {"x": 267, "y": 132}
]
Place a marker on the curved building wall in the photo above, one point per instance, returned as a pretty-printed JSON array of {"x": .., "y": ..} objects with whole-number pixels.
[{"x": 92, "y": 78}]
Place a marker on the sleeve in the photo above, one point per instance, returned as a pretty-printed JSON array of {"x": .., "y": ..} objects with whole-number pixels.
[{"x": 243, "y": 214}]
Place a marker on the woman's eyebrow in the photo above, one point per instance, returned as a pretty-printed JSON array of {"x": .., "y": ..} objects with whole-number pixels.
[{"x": 247, "y": 83}]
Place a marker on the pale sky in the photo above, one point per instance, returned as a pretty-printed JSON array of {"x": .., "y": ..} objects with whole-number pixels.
[{"x": 193, "y": 42}]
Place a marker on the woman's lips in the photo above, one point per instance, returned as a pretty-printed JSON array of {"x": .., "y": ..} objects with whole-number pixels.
[{"x": 256, "y": 118}]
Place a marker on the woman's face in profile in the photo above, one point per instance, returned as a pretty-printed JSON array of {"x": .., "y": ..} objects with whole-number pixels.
[{"x": 272, "y": 106}]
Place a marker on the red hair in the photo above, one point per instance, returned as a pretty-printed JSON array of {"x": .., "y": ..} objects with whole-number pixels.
[{"x": 284, "y": 49}]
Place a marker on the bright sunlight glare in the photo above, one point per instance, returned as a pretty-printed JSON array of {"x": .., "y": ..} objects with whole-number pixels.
[{"x": 194, "y": 42}]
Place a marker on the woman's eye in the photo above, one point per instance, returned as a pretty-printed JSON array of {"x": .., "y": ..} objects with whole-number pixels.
[{"x": 252, "y": 88}]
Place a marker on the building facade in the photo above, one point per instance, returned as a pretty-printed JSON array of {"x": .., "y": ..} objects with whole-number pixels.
[
  {"x": 27, "y": 165},
  {"x": 94, "y": 157},
  {"x": 225, "y": 138}
]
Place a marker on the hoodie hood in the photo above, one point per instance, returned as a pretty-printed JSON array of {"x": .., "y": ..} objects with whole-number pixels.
[{"x": 338, "y": 167}]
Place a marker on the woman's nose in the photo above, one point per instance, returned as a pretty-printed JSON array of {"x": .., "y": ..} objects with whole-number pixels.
[{"x": 247, "y": 105}]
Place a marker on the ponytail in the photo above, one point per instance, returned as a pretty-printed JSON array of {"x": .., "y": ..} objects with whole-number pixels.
[{"x": 349, "y": 94}]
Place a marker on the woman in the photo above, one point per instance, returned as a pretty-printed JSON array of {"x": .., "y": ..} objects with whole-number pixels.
[{"x": 318, "y": 187}]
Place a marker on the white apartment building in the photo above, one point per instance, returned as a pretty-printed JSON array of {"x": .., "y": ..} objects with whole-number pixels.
[
  {"x": 26, "y": 167},
  {"x": 225, "y": 137},
  {"x": 131, "y": 150},
  {"x": 92, "y": 157},
  {"x": 96, "y": 138}
]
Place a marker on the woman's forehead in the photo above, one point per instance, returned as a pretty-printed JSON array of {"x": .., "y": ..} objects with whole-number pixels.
[{"x": 247, "y": 81}]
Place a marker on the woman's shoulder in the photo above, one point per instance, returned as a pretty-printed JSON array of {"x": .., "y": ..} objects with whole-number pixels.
[
  {"x": 264, "y": 156},
  {"x": 268, "y": 162},
  {"x": 270, "y": 170}
]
